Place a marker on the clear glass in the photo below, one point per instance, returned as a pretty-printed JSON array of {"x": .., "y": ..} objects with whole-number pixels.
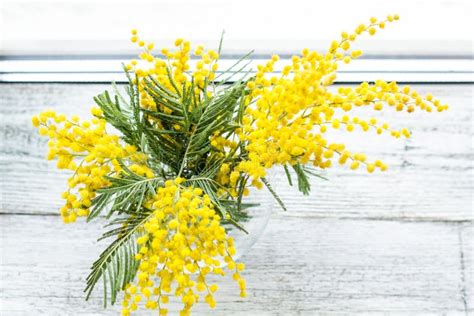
[{"x": 259, "y": 217}]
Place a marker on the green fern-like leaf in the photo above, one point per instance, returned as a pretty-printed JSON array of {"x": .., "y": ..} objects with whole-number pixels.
[
  {"x": 117, "y": 265},
  {"x": 125, "y": 193}
]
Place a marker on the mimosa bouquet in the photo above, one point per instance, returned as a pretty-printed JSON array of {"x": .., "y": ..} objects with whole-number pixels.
[{"x": 169, "y": 162}]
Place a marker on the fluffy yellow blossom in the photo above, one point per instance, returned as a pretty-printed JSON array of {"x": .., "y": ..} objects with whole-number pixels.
[
  {"x": 189, "y": 151},
  {"x": 182, "y": 245},
  {"x": 286, "y": 114},
  {"x": 85, "y": 148}
]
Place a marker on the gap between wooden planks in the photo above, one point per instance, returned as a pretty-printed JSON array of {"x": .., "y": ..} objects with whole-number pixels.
[{"x": 300, "y": 266}]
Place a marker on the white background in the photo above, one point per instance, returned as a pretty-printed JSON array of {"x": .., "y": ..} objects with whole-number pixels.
[{"x": 76, "y": 27}]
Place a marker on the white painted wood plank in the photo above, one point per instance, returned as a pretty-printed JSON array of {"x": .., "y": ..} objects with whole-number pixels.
[
  {"x": 466, "y": 237},
  {"x": 345, "y": 77},
  {"x": 108, "y": 70},
  {"x": 430, "y": 175},
  {"x": 301, "y": 266},
  {"x": 100, "y": 65}
]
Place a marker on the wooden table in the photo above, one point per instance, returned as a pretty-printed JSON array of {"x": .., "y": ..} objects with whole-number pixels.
[{"x": 399, "y": 241}]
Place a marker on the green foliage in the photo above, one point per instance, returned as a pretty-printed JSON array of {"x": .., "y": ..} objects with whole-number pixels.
[
  {"x": 176, "y": 137},
  {"x": 124, "y": 116},
  {"x": 178, "y": 143},
  {"x": 303, "y": 173},
  {"x": 117, "y": 265},
  {"x": 275, "y": 195},
  {"x": 126, "y": 192}
]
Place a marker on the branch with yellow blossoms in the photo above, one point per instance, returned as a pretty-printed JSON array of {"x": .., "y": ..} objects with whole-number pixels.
[{"x": 168, "y": 161}]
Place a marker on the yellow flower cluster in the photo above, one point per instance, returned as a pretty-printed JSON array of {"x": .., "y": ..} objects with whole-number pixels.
[
  {"x": 183, "y": 243},
  {"x": 85, "y": 148},
  {"x": 157, "y": 68},
  {"x": 284, "y": 122},
  {"x": 288, "y": 121}
]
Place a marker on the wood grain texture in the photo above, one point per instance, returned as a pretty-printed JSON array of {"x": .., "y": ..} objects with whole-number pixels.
[
  {"x": 399, "y": 242},
  {"x": 466, "y": 241},
  {"x": 301, "y": 266},
  {"x": 430, "y": 175}
]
